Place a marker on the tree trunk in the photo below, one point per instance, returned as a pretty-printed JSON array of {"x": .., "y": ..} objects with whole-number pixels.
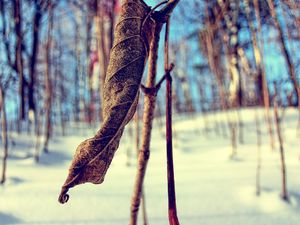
[
  {"x": 18, "y": 58},
  {"x": 261, "y": 71},
  {"x": 33, "y": 59},
  {"x": 241, "y": 125},
  {"x": 149, "y": 108},
  {"x": 233, "y": 136},
  {"x": 89, "y": 66},
  {"x": 143, "y": 202},
  {"x": 284, "y": 193},
  {"x": 230, "y": 16},
  {"x": 38, "y": 136},
  {"x": 215, "y": 68},
  {"x": 290, "y": 65},
  {"x": 76, "y": 76},
  {"x": 62, "y": 92},
  {"x": 4, "y": 135},
  {"x": 173, "y": 219},
  {"x": 102, "y": 52},
  {"x": 48, "y": 84},
  {"x": 112, "y": 23},
  {"x": 137, "y": 144}
]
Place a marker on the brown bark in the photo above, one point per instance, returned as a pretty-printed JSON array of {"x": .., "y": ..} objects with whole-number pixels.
[
  {"x": 284, "y": 193},
  {"x": 143, "y": 200},
  {"x": 214, "y": 59},
  {"x": 4, "y": 135},
  {"x": 229, "y": 41},
  {"x": 230, "y": 14},
  {"x": 137, "y": 144},
  {"x": 173, "y": 219},
  {"x": 90, "y": 66},
  {"x": 213, "y": 48},
  {"x": 112, "y": 23},
  {"x": 149, "y": 108},
  {"x": 18, "y": 57},
  {"x": 261, "y": 72},
  {"x": 77, "y": 74},
  {"x": 48, "y": 80},
  {"x": 38, "y": 136},
  {"x": 61, "y": 87},
  {"x": 230, "y": 44},
  {"x": 233, "y": 137},
  {"x": 102, "y": 52},
  {"x": 214, "y": 67},
  {"x": 34, "y": 53},
  {"x": 61, "y": 110},
  {"x": 288, "y": 59}
]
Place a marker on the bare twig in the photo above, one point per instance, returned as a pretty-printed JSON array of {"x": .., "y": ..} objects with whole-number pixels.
[
  {"x": 153, "y": 91},
  {"x": 168, "y": 9},
  {"x": 173, "y": 219},
  {"x": 149, "y": 108}
]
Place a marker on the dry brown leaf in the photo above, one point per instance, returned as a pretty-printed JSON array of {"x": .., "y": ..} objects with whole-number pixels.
[{"x": 121, "y": 90}]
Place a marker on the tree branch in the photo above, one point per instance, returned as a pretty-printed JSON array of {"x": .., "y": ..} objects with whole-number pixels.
[
  {"x": 168, "y": 9},
  {"x": 153, "y": 91}
]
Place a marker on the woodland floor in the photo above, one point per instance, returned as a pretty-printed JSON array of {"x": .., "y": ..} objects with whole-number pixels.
[{"x": 212, "y": 189}]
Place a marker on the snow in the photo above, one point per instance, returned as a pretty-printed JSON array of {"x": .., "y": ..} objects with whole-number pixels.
[{"x": 211, "y": 188}]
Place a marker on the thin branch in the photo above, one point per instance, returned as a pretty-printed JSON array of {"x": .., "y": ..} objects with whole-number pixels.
[
  {"x": 168, "y": 9},
  {"x": 153, "y": 91},
  {"x": 173, "y": 219}
]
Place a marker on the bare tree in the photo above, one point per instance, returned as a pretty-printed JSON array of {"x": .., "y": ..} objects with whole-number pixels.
[
  {"x": 104, "y": 9},
  {"x": 48, "y": 80},
  {"x": 285, "y": 52},
  {"x": 18, "y": 56},
  {"x": 137, "y": 142},
  {"x": 39, "y": 6},
  {"x": 278, "y": 118},
  {"x": 4, "y": 133},
  {"x": 261, "y": 76},
  {"x": 173, "y": 219},
  {"x": 149, "y": 107}
]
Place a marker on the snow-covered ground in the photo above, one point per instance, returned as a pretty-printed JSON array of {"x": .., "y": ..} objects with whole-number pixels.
[{"x": 212, "y": 189}]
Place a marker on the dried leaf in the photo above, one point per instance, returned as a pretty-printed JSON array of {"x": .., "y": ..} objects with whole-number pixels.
[{"x": 121, "y": 90}]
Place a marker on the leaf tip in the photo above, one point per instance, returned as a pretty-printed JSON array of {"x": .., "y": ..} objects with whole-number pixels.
[{"x": 63, "y": 196}]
